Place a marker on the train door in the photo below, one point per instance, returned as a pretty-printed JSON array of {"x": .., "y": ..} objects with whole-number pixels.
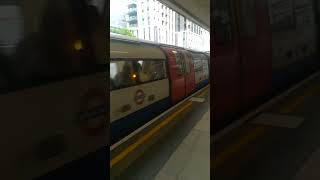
[
  {"x": 255, "y": 49},
  {"x": 225, "y": 68},
  {"x": 189, "y": 73},
  {"x": 177, "y": 74}
]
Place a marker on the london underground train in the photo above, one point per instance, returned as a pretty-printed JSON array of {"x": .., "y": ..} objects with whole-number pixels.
[
  {"x": 52, "y": 89},
  {"x": 261, "y": 48},
  {"x": 148, "y": 78}
]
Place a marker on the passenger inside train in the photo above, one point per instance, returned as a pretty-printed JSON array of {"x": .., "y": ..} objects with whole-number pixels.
[{"x": 125, "y": 75}]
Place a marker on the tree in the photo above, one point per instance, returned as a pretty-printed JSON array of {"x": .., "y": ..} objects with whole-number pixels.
[{"x": 122, "y": 31}]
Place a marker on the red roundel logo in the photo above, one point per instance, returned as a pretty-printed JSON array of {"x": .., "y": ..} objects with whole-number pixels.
[
  {"x": 139, "y": 97},
  {"x": 93, "y": 112}
]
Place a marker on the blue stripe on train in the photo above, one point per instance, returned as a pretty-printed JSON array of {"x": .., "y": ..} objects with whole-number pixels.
[
  {"x": 202, "y": 84},
  {"x": 284, "y": 77},
  {"x": 124, "y": 126}
]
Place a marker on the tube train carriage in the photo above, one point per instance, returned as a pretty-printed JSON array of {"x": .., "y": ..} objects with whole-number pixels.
[
  {"x": 147, "y": 78},
  {"x": 261, "y": 47},
  {"x": 52, "y": 89}
]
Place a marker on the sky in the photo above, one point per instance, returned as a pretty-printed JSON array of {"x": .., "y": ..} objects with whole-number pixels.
[
  {"x": 117, "y": 10},
  {"x": 117, "y": 7}
]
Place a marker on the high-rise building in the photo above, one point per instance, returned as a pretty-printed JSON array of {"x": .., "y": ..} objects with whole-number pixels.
[
  {"x": 118, "y": 17},
  {"x": 132, "y": 18},
  {"x": 152, "y": 20},
  {"x": 155, "y": 22}
]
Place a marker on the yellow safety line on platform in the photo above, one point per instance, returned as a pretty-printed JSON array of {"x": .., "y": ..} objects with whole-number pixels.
[
  {"x": 259, "y": 130},
  {"x": 203, "y": 93},
  {"x": 149, "y": 134},
  {"x": 231, "y": 151},
  {"x": 293, "y": 105}
]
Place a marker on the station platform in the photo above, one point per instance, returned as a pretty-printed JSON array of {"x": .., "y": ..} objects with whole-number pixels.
[
  {"x": 282, "y": 142},
  {"x": 183, "y": 153}
]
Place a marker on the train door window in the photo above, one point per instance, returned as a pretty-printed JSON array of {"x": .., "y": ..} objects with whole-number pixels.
[
  {"x": 248, "y": 18},
  {"x": 187, "y": 63},
  {"x": 11, "y": 33},
  {"x": 205, "y": 64},
  {"x": 179, "y": 63},
  {"x": 282, "y": 16},
  {"x": 222, "y": 22},
  {"x": 98, "y": 4},
  {"x": 197, "y": 63},
  {"x": 122, "y": 74},
  {"x": 150, "y": 70}
]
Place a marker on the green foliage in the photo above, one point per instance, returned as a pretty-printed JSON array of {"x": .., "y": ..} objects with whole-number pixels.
[{"x": 122, "y": 31}]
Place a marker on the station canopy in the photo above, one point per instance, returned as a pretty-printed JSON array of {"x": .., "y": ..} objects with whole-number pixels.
[{"x": 198, "y": 11}]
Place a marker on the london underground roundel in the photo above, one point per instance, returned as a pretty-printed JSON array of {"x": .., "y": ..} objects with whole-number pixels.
[{"x": 139, "y": 97}]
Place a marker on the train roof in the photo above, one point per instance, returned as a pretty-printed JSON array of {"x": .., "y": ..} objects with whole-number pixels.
[
  {"x": 146, "y": 43},
  {"x": 171, "y": 46},
  {"x": 131, "y": 48},
  {"x": 131, "y": 39}
]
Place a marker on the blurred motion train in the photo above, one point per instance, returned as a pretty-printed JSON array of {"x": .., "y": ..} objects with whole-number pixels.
[
  {"x": 147, "y": 78},
  {"x": 261, "y": 48},
  {"x": 52, "y": 89}
]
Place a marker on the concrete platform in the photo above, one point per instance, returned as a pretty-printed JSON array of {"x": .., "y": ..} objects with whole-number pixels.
[
  {"x": 280, "y": 143},
  {"x": 182, "y": 154}
]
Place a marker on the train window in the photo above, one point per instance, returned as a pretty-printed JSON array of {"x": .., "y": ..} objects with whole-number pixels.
[
  {"x": 98, "y": 4},
  {"x": 150, "y": 70},
  {"x": 126, "y": 73},
  {"x": 179, "y": 63},
  {"x": 11, "y": 32},
  {"x": 51, "y": 42},
  {"x": 197, "y": 63},
  {"x": 222, "y": 22},
  {"x": 282, "y": 16},
  {"x": 205, "y": 65},
  {"x": 122, "y": 74},
  {"x": 248, "y": 18}
]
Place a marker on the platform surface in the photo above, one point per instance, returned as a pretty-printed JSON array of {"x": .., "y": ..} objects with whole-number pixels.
[
  {"x": 183, "y": 153},
  {"x": 280, "y": 143}
]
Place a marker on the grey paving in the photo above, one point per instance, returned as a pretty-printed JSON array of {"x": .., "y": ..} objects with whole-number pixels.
[
  {"x": 278, "y": 120},
  {"x": 288, "y": 149},
  {"x": 311, "y": 169},
  {"x": 195, "y": 99},
  {"x": 183, "y": 154}
]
